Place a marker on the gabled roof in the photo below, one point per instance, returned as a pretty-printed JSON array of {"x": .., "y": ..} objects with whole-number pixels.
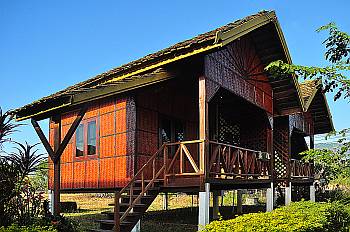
[
  {"x": 315, "y": 102},
  {"x": 202, "y": 43}
]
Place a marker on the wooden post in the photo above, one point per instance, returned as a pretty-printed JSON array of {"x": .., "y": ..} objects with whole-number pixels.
[
  {"x": 239, "y": 202},
  {"x": 116, "y": 212},
  {"x": 312, "y": 141},
  {"x": 56, "y": 167},
  {"x": 203, "y": 127}
]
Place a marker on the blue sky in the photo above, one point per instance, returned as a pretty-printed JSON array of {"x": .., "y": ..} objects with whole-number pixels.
[{"x": 46, "y": 46}]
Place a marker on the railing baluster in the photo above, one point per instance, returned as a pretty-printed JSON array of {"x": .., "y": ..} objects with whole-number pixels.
[
  {"x": 142, "y": 182},
  {"x": 165, "y": 161},
  {"x": 181, "y": 159}
]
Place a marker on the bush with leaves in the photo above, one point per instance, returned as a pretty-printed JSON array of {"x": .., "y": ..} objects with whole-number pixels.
[{"x": 301, "y": 216}]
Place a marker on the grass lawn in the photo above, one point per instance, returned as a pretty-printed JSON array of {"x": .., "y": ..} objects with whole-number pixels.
[{"x": 182, "y": 214}]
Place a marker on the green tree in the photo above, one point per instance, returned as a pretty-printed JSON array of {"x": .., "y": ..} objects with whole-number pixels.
[{"x": 333, "y": 164}]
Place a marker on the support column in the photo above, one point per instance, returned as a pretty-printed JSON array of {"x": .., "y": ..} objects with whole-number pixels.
[
  {"x": 216, "y": 195},
  {"x": 312, "y": 141},
  {"x": 137, "y": 227},
  {"x": 165, "y": 201},
  {"x": 50, "y": 198},
  {"x": 288, "y": 194},
  {"x": 203, "y": 128},
  {"x": 239, "y": 202},
  {"x": 56, "y": 168},
  {"x": 203, "y": 211},
  {"x": 312, "y": 193},
  {"x": 269, "y": 198}
]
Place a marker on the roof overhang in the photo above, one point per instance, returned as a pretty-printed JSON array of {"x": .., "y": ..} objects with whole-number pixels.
[{"x": 317, "y": 105}]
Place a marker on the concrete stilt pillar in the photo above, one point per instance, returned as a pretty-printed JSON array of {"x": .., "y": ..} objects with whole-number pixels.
[
  {"x": 216, "y": 195},
  {"x": 269, "y": 198},
  {"x": 203, "y": 211},
  {"x": 50, "y": 198},
  {"x": 239, "y": 202},
  {"x": 165, "y": 201},
  {"x": 137, "y": 227},
  {"x": 288, "y": 194},
  {"x": 312, "y": 193}
]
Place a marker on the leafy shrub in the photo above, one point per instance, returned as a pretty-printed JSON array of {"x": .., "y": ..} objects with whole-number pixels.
[
  {"x": 300, "y": 216},
  {"x": 17, "y": 228},
  {"x": 58, "y": 222}
]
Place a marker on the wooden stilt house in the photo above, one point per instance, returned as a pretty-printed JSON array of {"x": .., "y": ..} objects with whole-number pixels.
[{"x": 199, "y": 116}]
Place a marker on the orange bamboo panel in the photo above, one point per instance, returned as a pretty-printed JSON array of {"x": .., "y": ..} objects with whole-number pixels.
[
  {"x": 67, "y": 176},
  {"x": 91, "y": 178},
  {"x": 107, "y": 106},
  {"x": 121, "y": 104},
  {"x": 107, "y": 172},
  {"x": 107, "y": 146},
  {"x": 68, "y": 153},
  {"x": 92, "y": 111},
  {"x": 107, "y": 124},
  {"x": 121, "y": 144},
  {"x": 79, "y": 174},
  {"x": 68, "y": 118},
  {"x": 51, "y": 137},
  {"x": 120, "y": 178},
  {"x": 121, "y": 120},
  {"x": 50, "y": 184}
]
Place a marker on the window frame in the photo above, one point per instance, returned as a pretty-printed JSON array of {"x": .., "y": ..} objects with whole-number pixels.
[{"x": 85, "y": 155}]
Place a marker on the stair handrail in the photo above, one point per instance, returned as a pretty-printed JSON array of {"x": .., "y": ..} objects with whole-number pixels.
[
  {"x": 141, "y": 169},
  {"x": 118, "y": 194}
]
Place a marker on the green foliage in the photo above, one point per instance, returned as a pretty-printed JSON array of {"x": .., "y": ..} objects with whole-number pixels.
[
  {"x": 16, "y": 228},
  {"x": 19, "y": 201},
  {"x": 7, "y": 127},
  {"x": 300, "y": 216},
  {"x": 40, "y": 177},
  {"x": 333, "y": 76}
]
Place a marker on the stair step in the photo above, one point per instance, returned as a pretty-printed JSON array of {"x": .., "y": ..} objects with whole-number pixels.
[
  {"x": 138, "y": 205},
  {"x": 121, "y": 213},
  {"x": 135, "y": 196}
]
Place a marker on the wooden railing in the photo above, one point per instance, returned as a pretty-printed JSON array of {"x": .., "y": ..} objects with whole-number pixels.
[
  {"x": 301, "y": 169},
  {"x": 179, "y": 161},
  {"x": 228, "y": 161},
  {"x": 129, "y": 188}
]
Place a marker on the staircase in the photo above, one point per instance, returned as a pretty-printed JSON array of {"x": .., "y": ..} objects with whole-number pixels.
[{"x": 135, "y": 198}]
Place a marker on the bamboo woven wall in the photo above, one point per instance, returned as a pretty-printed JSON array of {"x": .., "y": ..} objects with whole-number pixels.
[
  {"x": 171, "y": 99},
  {"x": 238, "y": 68},
  {"x": 112, "y": 166}
]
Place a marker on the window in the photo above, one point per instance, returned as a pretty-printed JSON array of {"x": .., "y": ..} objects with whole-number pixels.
[
  {"x": 86, "y": 139},
  {"x": 91, "y": 138},
  {"x": 79, "y": 141},
  {"x": 171, "y": 130}
]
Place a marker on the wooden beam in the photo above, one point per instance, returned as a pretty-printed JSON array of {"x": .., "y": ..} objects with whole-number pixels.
[
  {"x": 70, "y": 133},
  {"x": 56, "y": 169},
  {"x": 203, "y": 128},
  {"x": 43, "y": 139}
]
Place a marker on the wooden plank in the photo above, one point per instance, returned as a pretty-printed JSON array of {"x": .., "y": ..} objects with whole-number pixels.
[{"x": 43, "y": 139}]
